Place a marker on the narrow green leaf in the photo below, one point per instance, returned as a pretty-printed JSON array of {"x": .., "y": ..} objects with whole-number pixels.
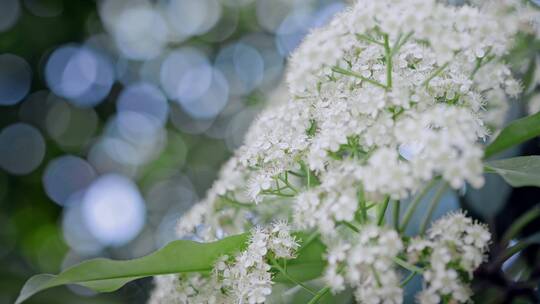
[
  {"x": 104, "y": 275},
  {"x": 515, "y": 133},
  {"x": 518, "y": 171}
]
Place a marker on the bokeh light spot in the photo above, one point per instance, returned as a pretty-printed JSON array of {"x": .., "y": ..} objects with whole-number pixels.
[
  {"x": 67, "y": 176},
  {"x": 140, "y": 32},
  {"x": 189, "y": 18},
  {"x": 15, "y": 78},
  {"x": 75, "y": 231},
  {"x": 243, "y": 66},
  {"x": 45, "y": 8},
  {"x": 146, "y": 99},
  {"x": 79, "y": 74},
  {"x": 71, "y": 127},
  {"x": 212, "y": 102},
  {"x": 114, "y": 210},
  {"x": 22, "y": 148},
  {"x": 186, "y": 74},
  {"x": 9, "y": 14}
]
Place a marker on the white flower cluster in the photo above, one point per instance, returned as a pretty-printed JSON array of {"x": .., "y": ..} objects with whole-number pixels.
[
  {"x": 388, "y": 96},
  {"x": 454, "y": 248},
  {"x": 249, "y": 278},
  {"x": 245, "y": 278},
  {"x": 367, "y": 265},
  {"x": 187, "y": 288}
]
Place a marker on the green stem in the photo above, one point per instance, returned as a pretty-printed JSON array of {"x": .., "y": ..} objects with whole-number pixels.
[
  {"x": 432, "y": 206},
  {"x": 369, "y": 39},
  {"x": 400, "y": 43},
  {"x": 382, "y": 211},
  {"x": 354, "y": 74},
  {"x": 236, "y": 203},
  {"x": 408, "y": 278},
  {"x": 351, "y": 226},
  {"x": 312, "y": 237},
  {"x": 376, "y": 275},
  {"x": 278, "y": 193},
  {"x": 276, "y": 265},
  {"x": 319, "y": 295},
  {"x": 414, "y": 204},
  {"x": 362, "y": 204},
  {"x": 435, "y": 74},
  {"x": 519, "y": 224},
  {"x": 308, "y": 174},
  {"x": 408, "y": 265},
  {"x": 286, "y": 182},
  {"x": 296, "y": 174},
  {"x": 395, "y": 213},
  {"x": 388, "y": 56}
]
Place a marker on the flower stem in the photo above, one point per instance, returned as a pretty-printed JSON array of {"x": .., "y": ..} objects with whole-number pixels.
[
  {"x": 433, "y": 204},
  {"x": 276, "y": 265},
  {"x": 435, "y": 74},
  {"x": 395, "y": 213},
  {"x": 408, "y": 265},
  {"x": 308, "y": 175},
  {"x": 369, "y": 39},
  {"x": 236, "y": 203},
  {"x": 297, "y": 174},
  {"x": 319, "y": 295},
  {"x": 408, "y": 278},
  {"x": 388, "y": 56},
  {"x": 362, "y": 205},
  {"x": 351, "y": 226},
  {"x": 286, "y": 182},
  {"x": 376, "y": 275},
  {"x": 354, "y": 74},
  {"x": 414, "y": 204},
  {"x": 382, "y": 211},
  {"x": 400, "y": 42}
]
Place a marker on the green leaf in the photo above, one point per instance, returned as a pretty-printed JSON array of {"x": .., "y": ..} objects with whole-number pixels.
[
  {"x": 309, "y": 264},
  {"x": 104, "y": 275},
  {"x": 518, "y": 171},
  {"x": 515, "y": 133}
]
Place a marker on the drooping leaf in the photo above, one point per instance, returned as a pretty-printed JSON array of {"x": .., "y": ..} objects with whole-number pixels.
[
  {"x": 515, "y": 133},
  {"x": 518, "y": 171},
  {"x": 104, "y": 275}
]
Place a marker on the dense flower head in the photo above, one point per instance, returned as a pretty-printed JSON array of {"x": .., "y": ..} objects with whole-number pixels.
[
  {"x": 386, "y": 97},
  {"x": 244, "y": 278},
  {"x": 455, "y": 246},
  {"x": 390, "y": 95},
  {"x": 370, "y": 267}
]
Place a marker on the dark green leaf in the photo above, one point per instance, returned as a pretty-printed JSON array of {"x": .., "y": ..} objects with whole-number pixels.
[
  {"x": 104, "y": 275},
  {"x": 518, "y": 171},
  {"x": 515, "y": 133},
  {"x": 309, "y": 264}
]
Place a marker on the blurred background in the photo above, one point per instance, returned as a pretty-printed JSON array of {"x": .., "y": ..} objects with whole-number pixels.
[{"x": 115, "y": 116}]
